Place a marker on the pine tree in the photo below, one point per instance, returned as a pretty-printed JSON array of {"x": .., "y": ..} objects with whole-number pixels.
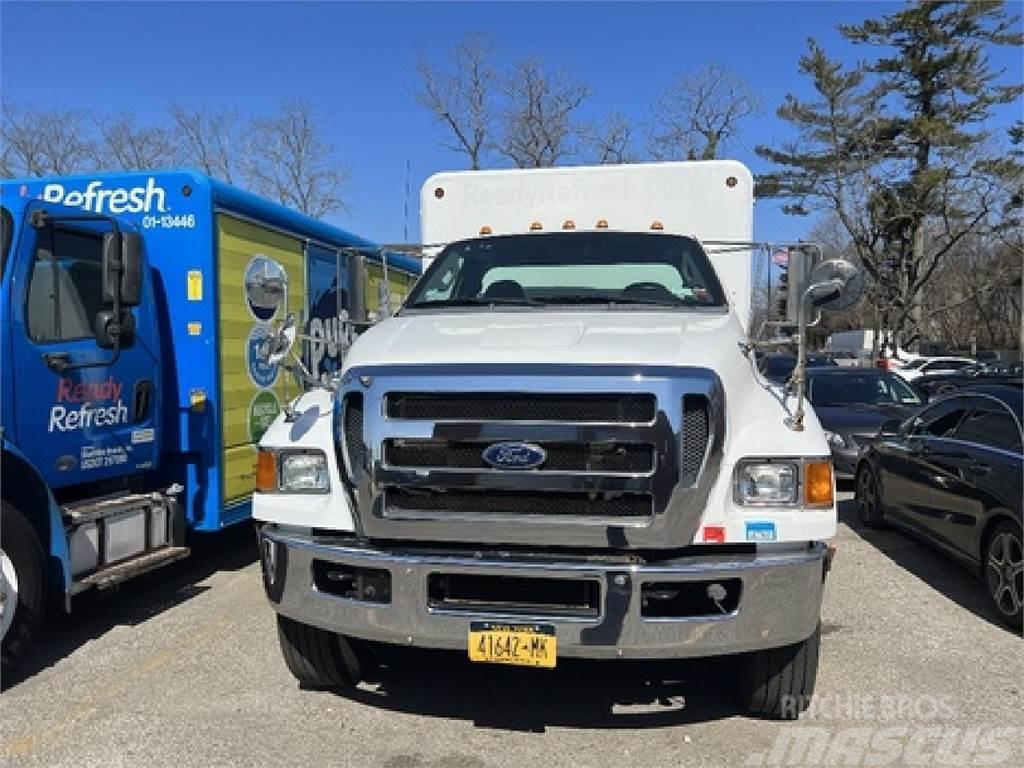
[{"x": 895, "y": 147}]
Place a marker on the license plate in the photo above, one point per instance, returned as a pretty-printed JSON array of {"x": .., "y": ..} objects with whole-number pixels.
[{"x": 526, "y": 645}]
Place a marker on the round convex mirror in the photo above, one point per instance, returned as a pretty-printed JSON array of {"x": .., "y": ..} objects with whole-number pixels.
[
  {"x": 843, "y": 275},
  {"x": 276, "y": 346},
  {"x": 265, "y": 286}
]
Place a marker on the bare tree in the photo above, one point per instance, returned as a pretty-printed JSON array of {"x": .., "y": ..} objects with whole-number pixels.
[
  {"x": 38, "y": 142},
  {"x": 208, "y": 139},
  {"x": 540, "y": 121},
  {"x": 612, "y": 141},
  {"x": 288, "y": 160},
  {"x": 462, "y": 99},
  {"x": 128, "y": 146},
  {"x": 700, "y": 113}
]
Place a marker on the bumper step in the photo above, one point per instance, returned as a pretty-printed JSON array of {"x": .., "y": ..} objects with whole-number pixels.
[{"x": 129, "y": 569}]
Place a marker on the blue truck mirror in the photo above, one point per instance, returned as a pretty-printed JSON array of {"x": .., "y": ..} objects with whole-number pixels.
[{"x": 122, "y": 268}]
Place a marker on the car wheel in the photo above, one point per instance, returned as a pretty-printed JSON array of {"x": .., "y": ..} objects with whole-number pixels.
[
  {"x": 1004, "y": 571},
  {"x": 868, "y": 498},
  {"x": 321, "y": 659},
  {"x": 22, "y": 585},
  {"x": 779, "y": 682}
]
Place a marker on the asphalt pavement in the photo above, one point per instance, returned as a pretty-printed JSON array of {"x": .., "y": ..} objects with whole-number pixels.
[{"x": 182, "y": 668}]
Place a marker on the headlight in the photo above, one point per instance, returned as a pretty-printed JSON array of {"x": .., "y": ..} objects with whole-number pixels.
[
  {"x": 303, "y": 472},
  {"x": 766, "y": 483},
  {"x": 835, "y": 440}
]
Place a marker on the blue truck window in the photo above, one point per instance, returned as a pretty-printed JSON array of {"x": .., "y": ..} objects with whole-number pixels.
[
  {"x": 66, "y": 286},
  {"x": 6, "y": 235}
]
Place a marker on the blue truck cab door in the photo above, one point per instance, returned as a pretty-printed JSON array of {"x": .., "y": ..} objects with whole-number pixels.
[{"x": 82, "y": 411}]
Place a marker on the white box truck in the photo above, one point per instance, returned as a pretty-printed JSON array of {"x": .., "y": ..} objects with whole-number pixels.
[{"x": 559, "y": 446}]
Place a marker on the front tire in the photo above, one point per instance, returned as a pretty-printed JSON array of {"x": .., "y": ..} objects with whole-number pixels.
[
  {"x": 321, "y": 659},
  {"x": 22, "y": 584},
  {"x": 779, "y": 682},
  {"x": 868, "y": 498},
  {"x": 1004, "y": 571}
]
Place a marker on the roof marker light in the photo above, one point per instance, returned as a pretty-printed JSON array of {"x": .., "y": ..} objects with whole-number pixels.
[
  {"x": 535, "y": 226},
  {"x": 485, "y": 230},
  {"x": 568, "y": 224},
  {"x": 602, "y": 224},
  {"x": 657, "y": 226}
]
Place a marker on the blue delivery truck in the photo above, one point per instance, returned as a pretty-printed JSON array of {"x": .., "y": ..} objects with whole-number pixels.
[{"x": 132, "y": 391}]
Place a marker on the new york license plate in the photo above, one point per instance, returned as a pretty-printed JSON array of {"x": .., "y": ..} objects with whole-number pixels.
[{"x": 527, "y": 645}]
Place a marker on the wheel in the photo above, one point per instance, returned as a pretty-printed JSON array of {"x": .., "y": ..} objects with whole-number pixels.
[
  {"x": 22, "y": 584},
  {"x": 1004, "y": 571},
  {"x": 868, "y": 498},
  {"x": 779, "y": 682},
  {"x": 321, "y": 659}
]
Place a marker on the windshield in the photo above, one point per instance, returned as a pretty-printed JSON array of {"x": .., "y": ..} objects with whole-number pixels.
[
  {"x": 869, "y": 388},
  {"x": 571, "y": 268}
]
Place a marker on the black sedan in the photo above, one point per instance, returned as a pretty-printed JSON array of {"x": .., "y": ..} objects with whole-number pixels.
[
  {"x": 852, "y": 403},
  {"x": 778, "y": 367},
  {"x": 995, "y": 372},
  {"x": 952, "y": 475}
]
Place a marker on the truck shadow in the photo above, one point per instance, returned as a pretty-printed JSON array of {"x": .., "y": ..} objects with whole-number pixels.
[
  {"x": 941, "y": 572},
  {"x": 578, "y": 694},
  {"x": 96, "y": 613}
]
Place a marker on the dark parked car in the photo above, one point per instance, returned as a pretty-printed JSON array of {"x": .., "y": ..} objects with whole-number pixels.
[
  {"x": 995, "y": 372},
  {"x": 852, "y": 403},
  {"x": 952, "y": 475},
  {"x": 778, "y": 367}
]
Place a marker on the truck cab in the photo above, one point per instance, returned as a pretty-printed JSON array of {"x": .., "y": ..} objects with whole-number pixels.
[
  {"x": 132, "y": 397},
  {"x": 559, "y": 447}
]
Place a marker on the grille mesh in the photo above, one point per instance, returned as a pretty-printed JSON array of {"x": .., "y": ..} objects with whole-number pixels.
[
  {"x": 519, "y": 503},
  {"x": 564, "y": 457},
  {"x": 695, "y": 437},
  {"x": 514, "y": 406},
  {"x": 354, "y": 442}
]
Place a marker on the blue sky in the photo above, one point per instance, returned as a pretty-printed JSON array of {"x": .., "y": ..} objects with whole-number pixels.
[{"x": 356, "y": 63}]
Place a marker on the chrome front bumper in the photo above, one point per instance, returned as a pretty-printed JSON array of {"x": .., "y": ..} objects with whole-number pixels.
[{"x": 780, "y": 601}]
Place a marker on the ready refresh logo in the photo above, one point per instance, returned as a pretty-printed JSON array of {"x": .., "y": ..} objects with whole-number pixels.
[
  {"x": 96, "y": 199},
  {"x": 90, "y": 404}
]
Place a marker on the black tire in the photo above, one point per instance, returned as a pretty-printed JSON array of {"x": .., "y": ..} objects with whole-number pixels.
[
  {"x": 868, "y": 498},
  {"x": 1004, "y": 559},
  {"x": 21, "y": 546},
  {"x": 321, "y": 659},
  {"x": 779, "y": 682}
]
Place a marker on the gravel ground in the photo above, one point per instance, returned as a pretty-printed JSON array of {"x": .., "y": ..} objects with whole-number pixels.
[{"x": 183, "y": 668}]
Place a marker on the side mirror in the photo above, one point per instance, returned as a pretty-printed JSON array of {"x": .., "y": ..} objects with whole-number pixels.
[
  {"x": 835, "y": 286},
  {"x": 122, "y": 268},
  {"x": 890, "y": 428},
  {"x": 111, "y": 332},
  {"x": 275, "y": 347}
]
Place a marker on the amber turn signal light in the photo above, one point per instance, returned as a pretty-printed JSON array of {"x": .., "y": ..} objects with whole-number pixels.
[
  {"x": 818, "y": 483},
  {"x": 266, "y": 472}
]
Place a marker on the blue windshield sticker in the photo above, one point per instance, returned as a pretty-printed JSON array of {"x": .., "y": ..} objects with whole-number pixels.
[{"x": 760, "y": 530}]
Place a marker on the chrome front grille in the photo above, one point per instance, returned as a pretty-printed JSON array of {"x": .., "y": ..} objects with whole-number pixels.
[
  {"x": 602, "y": 457},
  {"x": 519, "y": 406},
  {"x": 630, "y": 454}
]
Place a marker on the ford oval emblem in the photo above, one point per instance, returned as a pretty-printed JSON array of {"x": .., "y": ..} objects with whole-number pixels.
[{"x": 515, "y": 455}]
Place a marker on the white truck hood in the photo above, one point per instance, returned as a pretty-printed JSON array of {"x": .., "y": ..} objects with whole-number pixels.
[{"x": 615, "y": 336}]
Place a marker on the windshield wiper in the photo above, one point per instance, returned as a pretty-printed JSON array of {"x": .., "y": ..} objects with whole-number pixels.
[
  {"x": 583, "y": 299},
  {"x": 475, "y": 303}
]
